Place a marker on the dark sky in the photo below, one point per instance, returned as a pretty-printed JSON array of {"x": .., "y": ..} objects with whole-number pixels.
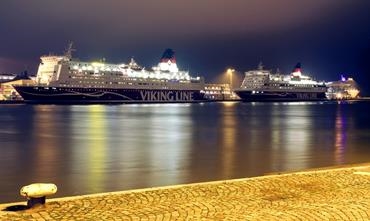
[{"x": 329, "y": 37}]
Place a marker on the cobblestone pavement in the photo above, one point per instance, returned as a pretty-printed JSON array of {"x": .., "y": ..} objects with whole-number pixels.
[{"x": 333, "y": 194}]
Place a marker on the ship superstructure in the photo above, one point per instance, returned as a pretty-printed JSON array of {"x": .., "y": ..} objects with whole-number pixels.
[
  {"x": 263, "y": 85},
  {"x": 344, "y": 89},
  {"x": 61, "y": 79}
]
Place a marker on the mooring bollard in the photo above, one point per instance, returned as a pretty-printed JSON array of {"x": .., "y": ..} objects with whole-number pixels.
[{"x": 36, "y": 193}]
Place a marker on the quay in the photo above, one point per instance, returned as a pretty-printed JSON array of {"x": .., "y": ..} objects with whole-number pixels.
[
  {"x": 11, "y": 102},
  {"x": 341, "y": 193}
]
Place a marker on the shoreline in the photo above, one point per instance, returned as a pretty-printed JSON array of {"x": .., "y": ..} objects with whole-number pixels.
[
  {"x": 265, "y": 176},
  {"x": 320, "y": 190}
]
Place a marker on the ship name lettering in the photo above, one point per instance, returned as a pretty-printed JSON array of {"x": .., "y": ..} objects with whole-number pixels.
[
  {"x": 166, "y": 95},
  {"x": 306, "y": 95}
]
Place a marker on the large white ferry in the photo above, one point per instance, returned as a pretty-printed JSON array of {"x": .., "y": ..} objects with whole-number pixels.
[
  {"x": 61, "y": 79},
  {"x": 262, "y": 85}
]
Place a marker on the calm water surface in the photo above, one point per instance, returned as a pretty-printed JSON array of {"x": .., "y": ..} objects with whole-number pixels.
[{"x": 98, "y": 148}]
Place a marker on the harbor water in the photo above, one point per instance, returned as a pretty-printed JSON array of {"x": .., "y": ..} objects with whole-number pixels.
[{"x": 87, "y": 149}]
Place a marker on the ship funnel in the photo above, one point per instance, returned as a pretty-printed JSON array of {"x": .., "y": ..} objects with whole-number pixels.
[
  {"x": 297, "y": 71},
  {"x": 297, "y": 67},
  {"x": 168, "y": 55}
]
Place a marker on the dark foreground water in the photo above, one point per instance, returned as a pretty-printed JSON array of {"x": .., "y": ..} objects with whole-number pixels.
[{"x": 99, "y": 148}]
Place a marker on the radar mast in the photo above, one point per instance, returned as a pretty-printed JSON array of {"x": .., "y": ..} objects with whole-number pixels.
[
  {"x": 69, "y": 50},
  {"x": 260, "y": 66}
]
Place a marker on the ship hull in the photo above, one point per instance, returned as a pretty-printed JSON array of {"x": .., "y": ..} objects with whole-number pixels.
[
  {"x": 280, "y": 96},
  {"x": 71, "y": 95}
]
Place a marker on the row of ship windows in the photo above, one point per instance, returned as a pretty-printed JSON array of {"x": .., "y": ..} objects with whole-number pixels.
[
  {"x": 282, "y": 85},
  {"x": 300, "y": 85},
  {"x": 115, "y": 82},
  {"x": 93, "y": 87},
  {"x": 217, "y": 92},
  {"x": 216, "y": 88},
  {"x": 128, "y": 79},
  {"x": 254, "y": 82},
  {"x": 285, "y": 88},
  {"x": 79, "y": 88},
  {"x": 92, "y": 73}
]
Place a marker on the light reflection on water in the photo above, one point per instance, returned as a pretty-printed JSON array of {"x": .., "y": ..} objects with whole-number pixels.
[
  {"x": 98, "y": 148},
  {"x": 296, "y": 136},
  {"x": 228, "y": 133},
  {"x": 340, "y": 136}
]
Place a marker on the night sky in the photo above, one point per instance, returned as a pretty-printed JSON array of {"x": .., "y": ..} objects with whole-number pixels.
[{"x": 329, "y": 37}]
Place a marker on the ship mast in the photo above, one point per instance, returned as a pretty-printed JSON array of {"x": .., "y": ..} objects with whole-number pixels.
[
  {"x": 260, "y": 66},
  {"x": 69, "y": 50}
]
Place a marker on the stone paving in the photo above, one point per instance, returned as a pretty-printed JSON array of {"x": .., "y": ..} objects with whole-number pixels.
[{"x": 330, "y": 194}]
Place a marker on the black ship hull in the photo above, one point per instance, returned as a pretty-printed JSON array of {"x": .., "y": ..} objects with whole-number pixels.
[
  {"x": 280, "y": 96},
  {"x": 74, "y": 95}
]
